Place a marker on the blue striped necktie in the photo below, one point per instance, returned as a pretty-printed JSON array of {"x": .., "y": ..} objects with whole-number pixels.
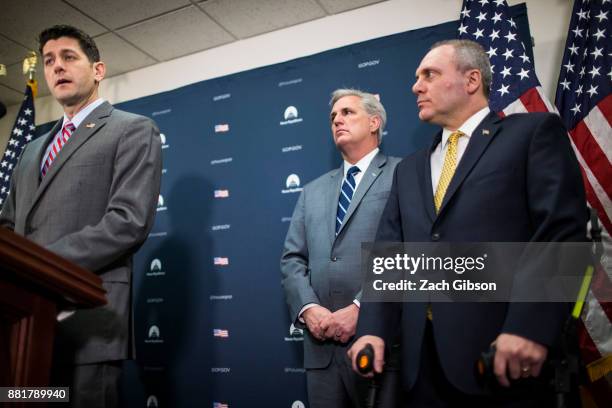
[{"x": 346, "y": 194}]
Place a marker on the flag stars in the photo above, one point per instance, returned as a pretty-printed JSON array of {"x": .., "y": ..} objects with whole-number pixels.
[
  {"x": 577, "y": 32},
  {"x": 22, "y": 121},
  {"x": 483, "y": 2},
  {"x": 27, "y": 111},
  {"x": 599, "y": 34},
  {"x": 569, "y": 66},
  {"x": 28, "y": 138},
  {"x": 573, "y": 49},
  {"x": 582, "y": 72},
  {"x": 610, "y": 74},
  {"x": 492, "y": 52},
  {"x": 465, "y": 12},
  {"x": 508, "y": 54},
  {"x": 482, "y": 16},
  {"x": 594, "y": 72},
  {"x": 576, "y": 109},
  {"x": 17, "y": 132},
  {"x": 597, "y": 52},
  {"x": 579, "y": 90},
  {"x": 463, "y": 29},
  {"x": 494, "y": 35},
  {"x": 524, "y": 73},
  {"x": 581, "y": 15},
  {"x": 592, "y": 90},
  {"x": 512, "y": 23},
  {"x": 602, "y": 16},
  {"x": 503, "y": 90},
  {"x": 510, "y": 36},
  {"x": 499, "y": 2},
  {"x": 496, "y": 18},
  {"x": 525, "y": 58},
  {"x": 565, "y": 84},
  {"x": 505, "y": 72},
  {"x": 478, "y": 33}
]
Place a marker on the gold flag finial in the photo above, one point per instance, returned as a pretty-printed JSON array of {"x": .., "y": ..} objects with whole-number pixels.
[{"x": 29, "y": 65}]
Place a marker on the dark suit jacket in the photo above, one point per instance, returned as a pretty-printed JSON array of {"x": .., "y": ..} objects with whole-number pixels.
[
  {"x": 95, "y": 207},
  {"x": 518, "y": 181},
  {"x": 319, "y": 267}
]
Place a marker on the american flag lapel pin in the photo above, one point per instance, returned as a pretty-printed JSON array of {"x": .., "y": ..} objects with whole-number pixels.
[
  {"x": 90, "y": 125},
  {"x": 485, "y": 132}
]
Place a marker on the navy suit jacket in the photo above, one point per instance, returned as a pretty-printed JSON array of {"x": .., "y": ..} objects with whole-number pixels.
[{"x": 518, "y": 181}]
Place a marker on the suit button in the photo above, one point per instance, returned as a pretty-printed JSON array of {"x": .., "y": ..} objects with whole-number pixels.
[{"x": 435, "y": 236}]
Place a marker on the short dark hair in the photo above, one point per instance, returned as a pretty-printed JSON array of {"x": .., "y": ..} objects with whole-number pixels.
[{"x": 87, "y": 44}]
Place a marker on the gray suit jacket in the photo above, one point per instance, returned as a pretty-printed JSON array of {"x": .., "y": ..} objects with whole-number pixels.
[
  {"x": 319, "y": 267},
  {"x": 95, "y": 207}
]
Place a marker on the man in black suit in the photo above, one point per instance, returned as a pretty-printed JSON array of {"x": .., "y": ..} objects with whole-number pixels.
[{"x": 484, "y": 179}]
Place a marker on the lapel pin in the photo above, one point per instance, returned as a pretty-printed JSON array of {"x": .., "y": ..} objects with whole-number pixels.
[
  {"x": 90, "y": 125},
  {"x": 485, "y": 132}
]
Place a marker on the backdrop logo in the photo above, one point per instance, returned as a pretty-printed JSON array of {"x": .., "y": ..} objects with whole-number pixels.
[
  {"x": 290, "y": 82},
  {"x": 221, "y": 333},
  {"x": 298, "y": 404},
  {"x": 220, "y": 405},
  {"x": 292, "y": 184},
  {"x": 220, "y": 370},
  {"x": 366, "y": 64},
  {"x": 161, "y": 112},
  {"x": 152, "y": 402},
  {"x": 156, "y": 268},
  {"x": 222, "y": 128},
  {"x": 221, "y": 260},
  {"x": 291, "y": 116},
  {"x": 221, "y": 193},
  {"x": 161, "y": 204},
  {"x": 154, "y": 335},
  {"x": 294, "y": 370},
  {"x": 294, "y": 148},
  {"x": 164, "y": 143},
  {"x": 221, "y": 297},
  {"x": 221, "y": 97},
  {"x": 155, "y": 300},
  {"x": 221, "y": 161},
  {"x": 220, "y": 227},
  {"x": 295, "y": 334}
]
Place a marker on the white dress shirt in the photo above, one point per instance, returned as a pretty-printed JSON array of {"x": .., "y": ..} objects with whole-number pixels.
[{"x": 437, "y": 156}]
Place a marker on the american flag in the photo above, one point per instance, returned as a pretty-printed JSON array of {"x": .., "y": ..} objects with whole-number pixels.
[
  {"x": 223, "y": 127},
  {"x": 515, "y": 89},
  {"x": 22, "y": 133},
  {"x": 221, "y": 260},
  {"x": 221, "y": 193},
  {"x": 220, "y": 333},
  {"x": 584, "y": 100}
]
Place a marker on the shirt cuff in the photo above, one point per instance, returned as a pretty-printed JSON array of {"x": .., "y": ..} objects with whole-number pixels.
[{"x": 305, "y": 308}]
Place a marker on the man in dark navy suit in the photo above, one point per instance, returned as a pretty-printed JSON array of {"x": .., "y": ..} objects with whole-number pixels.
[{"x": 484, "y": 179}]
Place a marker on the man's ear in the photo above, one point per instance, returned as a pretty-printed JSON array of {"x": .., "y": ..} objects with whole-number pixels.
[
  {"x": 473, "y": 81},
  {"x": 374, "y": 123},
  {"x": 99, "y": 70}
]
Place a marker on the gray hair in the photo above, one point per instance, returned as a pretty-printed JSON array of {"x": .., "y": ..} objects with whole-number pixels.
[
  {"x": 370, "y": 103},
  {"x": 470, "y": 55}
]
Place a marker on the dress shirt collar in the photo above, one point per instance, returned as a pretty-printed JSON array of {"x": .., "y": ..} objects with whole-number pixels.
[
  {"x": 468, "y": 127},
  {"x": 83, "y": 113},
  {"x": 363, "y": 164}
]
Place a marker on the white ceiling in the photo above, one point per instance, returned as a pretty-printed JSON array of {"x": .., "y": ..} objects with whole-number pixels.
[{"x": 133, "y": 34}]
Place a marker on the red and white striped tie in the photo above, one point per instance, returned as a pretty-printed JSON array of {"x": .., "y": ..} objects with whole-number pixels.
[{"x": 58, "y": 143}]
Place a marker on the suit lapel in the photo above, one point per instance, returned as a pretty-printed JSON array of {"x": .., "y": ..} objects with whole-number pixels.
[
  {"x": 424, "y": 176},
  {"x": 333, "y": 195},
  {"x": 368, "y": 178},
  {"x": 98, "y": 117},
  {"x": 482, "y": 136}
]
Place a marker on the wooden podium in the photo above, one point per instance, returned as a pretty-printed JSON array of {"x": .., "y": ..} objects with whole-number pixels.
[{"x": 34, "y": 285}]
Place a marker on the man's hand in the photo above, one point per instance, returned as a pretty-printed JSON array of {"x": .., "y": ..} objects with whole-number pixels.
[
  {"x": 313, "y": 317},
  {"x": 518, "y": 355},
  {"x": 378, "y": 345},
  {"x": 341, "y": 324}
]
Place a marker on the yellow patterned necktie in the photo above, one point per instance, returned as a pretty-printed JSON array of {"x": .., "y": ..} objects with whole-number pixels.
[{"x": 448, "y": 169}]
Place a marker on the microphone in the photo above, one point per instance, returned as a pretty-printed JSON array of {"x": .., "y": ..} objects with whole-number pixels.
[{"x": 365, "y": 365}]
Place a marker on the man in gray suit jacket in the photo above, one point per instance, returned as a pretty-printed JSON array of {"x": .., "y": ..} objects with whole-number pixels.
[
  {"x": 87, "y": 191},
  {"x": 321, "y": 271}
]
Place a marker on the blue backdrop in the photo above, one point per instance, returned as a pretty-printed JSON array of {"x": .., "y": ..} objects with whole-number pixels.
[{"x": 211, "y": 323}]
